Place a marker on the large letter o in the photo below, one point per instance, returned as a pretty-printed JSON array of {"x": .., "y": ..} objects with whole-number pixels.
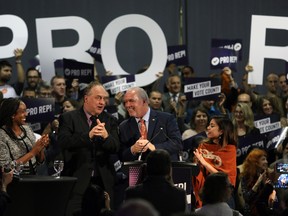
[{"x": 156, "y": 36}]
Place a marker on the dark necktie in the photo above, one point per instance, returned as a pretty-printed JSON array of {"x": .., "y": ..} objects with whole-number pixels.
[
  {"x": 95, "y": 172},
  {"x": 143, "y": 129},
  {"x": 94, "y": 121},
  {"x": 174, "y": 96}
]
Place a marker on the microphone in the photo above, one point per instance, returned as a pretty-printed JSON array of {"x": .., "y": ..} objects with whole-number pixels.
[
  {"x": 180, "y": 152},
  {"x": 141, "y": 152}
]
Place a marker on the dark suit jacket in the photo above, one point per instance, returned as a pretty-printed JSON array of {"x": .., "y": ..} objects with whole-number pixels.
[
  {"x": 77, "y": 149},
  {"x": 4, "y": 201},
  {"x": 165, "y": 197},
  {"x": 166, "y": 102},
  {"x": 163, "y": 132}
]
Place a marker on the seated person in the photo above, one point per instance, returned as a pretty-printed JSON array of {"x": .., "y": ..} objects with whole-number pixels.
[
  {"x": 158, "y": 188},
  {"x": 137, "y": 207},
  {"x": 215, "y": 193},
  {"x": 95, "y": 201}
]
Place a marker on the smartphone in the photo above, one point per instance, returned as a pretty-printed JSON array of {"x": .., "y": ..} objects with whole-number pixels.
[
  {"x": 282, "y": 181},
  {"x": 282, "y": 168}
]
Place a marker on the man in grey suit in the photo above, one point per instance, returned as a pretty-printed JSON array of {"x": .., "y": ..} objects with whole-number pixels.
[{"x": 88, "y": 137}]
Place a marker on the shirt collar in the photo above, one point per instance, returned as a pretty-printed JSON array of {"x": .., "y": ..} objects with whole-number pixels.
[
  {"x": 145, "y": 117},
  {"x": 88, "y": 115},
  {"x": 176, "y": 94}
]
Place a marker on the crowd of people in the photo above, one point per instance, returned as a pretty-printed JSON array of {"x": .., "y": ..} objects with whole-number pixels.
[{"x": 237, "y": 160}]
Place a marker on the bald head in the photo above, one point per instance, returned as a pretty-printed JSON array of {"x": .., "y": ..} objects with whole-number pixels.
[{"x": 244, "y": 98}]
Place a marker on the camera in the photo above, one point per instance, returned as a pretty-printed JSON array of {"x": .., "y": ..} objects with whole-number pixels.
[
  {"x": 282, "y": 181},
  {"x": 282, "y": 168},
  {"x": 5, "y": 168}
]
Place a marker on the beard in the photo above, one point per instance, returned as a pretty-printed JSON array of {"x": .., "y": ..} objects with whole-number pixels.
[{"x": 5, "y": 79}]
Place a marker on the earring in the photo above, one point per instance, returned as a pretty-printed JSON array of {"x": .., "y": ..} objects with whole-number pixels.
[{"x": 220, "y": 137}]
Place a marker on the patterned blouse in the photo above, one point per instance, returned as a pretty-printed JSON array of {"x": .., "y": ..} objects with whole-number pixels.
[{"x": 12, "y": 148}]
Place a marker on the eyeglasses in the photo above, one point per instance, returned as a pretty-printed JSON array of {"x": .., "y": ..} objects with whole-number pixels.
[
  {"x": 32, "y": 77},
  {"x": 238, "y": 113}
]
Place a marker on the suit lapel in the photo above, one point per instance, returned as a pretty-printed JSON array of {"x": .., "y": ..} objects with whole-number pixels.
[
  {"x": 83, "y": 119},
  {"x": 133, "y": 128},
  {"x": 152, "y": 123}
]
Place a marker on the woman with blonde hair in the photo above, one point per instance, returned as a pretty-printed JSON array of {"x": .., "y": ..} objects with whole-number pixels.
[{"x": 243, "y": 121}]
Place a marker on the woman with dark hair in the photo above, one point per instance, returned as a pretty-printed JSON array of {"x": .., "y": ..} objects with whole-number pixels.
[
  {"x": 69, "y": 105},
  {"x": 198, "y": 123},
  {"x": 257, "y": 188},
  {"x": 216, "y": 153},
  {"x": 17, "y": 140},
  {"x": 268, "y": 106},
  {"x": 215, "y": 193}
]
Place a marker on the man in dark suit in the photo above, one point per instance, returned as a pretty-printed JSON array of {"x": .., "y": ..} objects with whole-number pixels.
[
  {"x": 158, "y": 188},
  {"x": 174, "y": 101},
  {"x": 163, "y": 132},
  {"x": 88, "y": 137}
]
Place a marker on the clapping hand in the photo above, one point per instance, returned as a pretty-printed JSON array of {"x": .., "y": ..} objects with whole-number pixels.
[
  {"x": 41, "y": 143},
  {"x": 99, "y": 130}
]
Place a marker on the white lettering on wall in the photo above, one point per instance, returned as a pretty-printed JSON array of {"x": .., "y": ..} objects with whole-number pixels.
[
  {"x": 156, "y": 36},
  {"x": 258, "y": 50},
  {"x": 48, "y": 54},
  {"x": 19, "y": 32}
]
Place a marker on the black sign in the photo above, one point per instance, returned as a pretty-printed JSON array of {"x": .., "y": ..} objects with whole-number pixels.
[
  {"x": 39, "y": 109},
  {"x": 77, "y": 70}
]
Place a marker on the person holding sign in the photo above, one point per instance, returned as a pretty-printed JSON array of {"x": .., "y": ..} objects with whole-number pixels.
[
  {"x": 268, "y": 106},
  {"x": 16, "y": 88},
  {"x": 229, "y": 87},
  {"x": 87, "y": 137},
  {"x": 17, "y": 140},
  {"x": 243, "y": 121},
  {"x": 216, "y": 153}
]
